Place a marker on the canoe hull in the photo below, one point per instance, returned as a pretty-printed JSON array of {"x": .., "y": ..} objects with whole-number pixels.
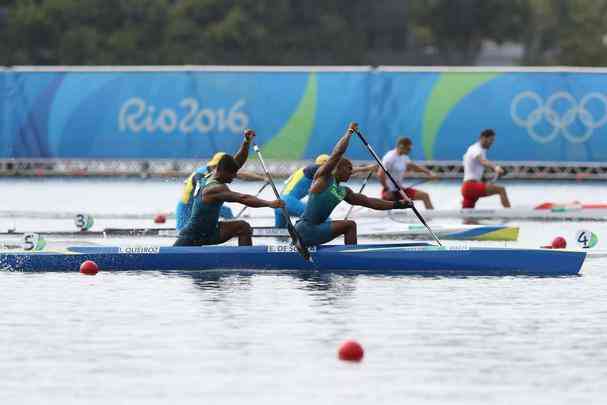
[{"x": 367, "y": 259}]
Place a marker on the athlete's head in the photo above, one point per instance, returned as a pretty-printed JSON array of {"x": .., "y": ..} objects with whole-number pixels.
[
  {"x": 403, "y": 146},
  {"x": 343, "y": 170},
  {"x": 215, "y": 159},
  {"x": 321, "y": 159},
  {"x": 227, "y": 168},
  {"x": 486, "y": 138}
]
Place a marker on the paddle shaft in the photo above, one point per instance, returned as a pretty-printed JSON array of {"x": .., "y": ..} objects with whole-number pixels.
[
  {"x": 243, "y": 209},
  {"x": 294, "y": 235},
  {"x": 415, "y": 211},
  {"x": 417, "y": 183},
  {"x": 359, "y": 191}
]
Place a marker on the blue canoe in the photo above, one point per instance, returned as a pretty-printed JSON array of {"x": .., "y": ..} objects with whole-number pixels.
[{"x": 409, "y": 258}]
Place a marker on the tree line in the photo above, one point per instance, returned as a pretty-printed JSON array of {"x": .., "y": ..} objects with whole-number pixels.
[{"x": 299, "y": 32}]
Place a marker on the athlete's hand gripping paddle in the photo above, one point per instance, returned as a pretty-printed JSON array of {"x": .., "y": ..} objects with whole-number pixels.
[
  {"x": 292, "y": 231},
  {"x": 417, "y": 214}
]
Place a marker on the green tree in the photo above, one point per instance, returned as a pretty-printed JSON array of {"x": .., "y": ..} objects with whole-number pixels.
[
  {"x": 295, "y": 32},
  {"x": 456, "y": 29},
  {"x": 583, "y": 39}
]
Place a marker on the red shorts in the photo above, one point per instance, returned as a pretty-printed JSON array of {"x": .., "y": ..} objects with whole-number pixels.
[
  {"x": 472, "y": 190},
  {"x": 393, "y": 196}
]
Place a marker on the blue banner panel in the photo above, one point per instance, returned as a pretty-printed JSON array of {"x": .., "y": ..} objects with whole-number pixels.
[
  {"x": 151, "y": 114},
  {"x": 180, "y": 114},
  {"x": 537, "y": 116}
]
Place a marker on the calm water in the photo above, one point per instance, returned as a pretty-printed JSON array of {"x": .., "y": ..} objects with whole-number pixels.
[{"x": 225, "y": 338}]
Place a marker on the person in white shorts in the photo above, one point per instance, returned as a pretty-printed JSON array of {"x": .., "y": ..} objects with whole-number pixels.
[
  {"x": 397, "y": 162},
  {"x": 475, "y": 162}
]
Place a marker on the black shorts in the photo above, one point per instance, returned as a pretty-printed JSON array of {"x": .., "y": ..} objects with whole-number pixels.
[{"x": 200, "y": 240}]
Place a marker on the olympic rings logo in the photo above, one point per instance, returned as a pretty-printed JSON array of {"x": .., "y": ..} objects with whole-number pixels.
[{"x": 564, "y": 123}]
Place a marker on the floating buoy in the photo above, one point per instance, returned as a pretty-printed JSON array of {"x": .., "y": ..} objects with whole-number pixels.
[
  {"x": 351, "y": 350},
  {"x": 89, "y": 267},
  {"x": 559, "y": 243},
  {"x": 84, "y": 222},
  {"x": 160, "y": 218}
]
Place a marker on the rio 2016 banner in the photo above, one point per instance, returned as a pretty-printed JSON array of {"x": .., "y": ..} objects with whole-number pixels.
[{"x": 300, "y": 113}]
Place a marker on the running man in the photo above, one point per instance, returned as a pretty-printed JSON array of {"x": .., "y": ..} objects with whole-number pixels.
[
  {"x": 325, "y": 194},
  {"x": 298, "y": 185},
  {"x": 204, "y": 227},
  {"x": 475, "y": 161},
  {"x": 184, "y": 206},
  {"x": 397, "y": 162}
]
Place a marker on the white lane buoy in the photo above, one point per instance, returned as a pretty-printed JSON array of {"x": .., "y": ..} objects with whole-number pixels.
[
  {"x": 84, "y": 222},
  {"x": 586, "y": 239},
  {"x": 33, "y": 241}
]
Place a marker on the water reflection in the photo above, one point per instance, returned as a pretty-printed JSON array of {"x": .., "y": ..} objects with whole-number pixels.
[
  {"x": 314, "y": 282},
  {"x": 322, "y": 287}
]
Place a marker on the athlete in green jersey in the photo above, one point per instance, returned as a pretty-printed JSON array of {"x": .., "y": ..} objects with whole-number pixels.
[
  {"x": 204, "y": 227},
  {"x": 325, "y": 194}
]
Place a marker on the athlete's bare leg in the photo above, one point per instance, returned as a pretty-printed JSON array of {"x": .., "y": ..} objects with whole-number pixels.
[
  {"x": 425, "y": 197},
  {"x": 231, "y": 229},
  {"x": 492, "y": 189},
  {"x": 347, "y": 228}
]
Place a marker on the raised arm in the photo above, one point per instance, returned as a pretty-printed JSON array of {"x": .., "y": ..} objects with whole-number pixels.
[
  {"x": 243, "y": 153},
  {"x": 338, "y": 152},
  {"x": 375, "y": 203},
  {"x": 221, "y": 193}
]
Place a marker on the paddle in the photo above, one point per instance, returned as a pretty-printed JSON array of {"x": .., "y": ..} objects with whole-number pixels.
[
  {"x": 417, "y": 214},
  {"x": 417, "y": 183},
  {"x": 292, "y": 232},
  {"x": 359, "y": 191},
  {"x": 243, "y": 209}
]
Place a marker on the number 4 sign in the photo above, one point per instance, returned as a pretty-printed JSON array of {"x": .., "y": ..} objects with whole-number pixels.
[{"x": 586, "y": 239}]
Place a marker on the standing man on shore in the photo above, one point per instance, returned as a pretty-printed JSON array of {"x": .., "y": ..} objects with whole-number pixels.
[{"x": 475, "y": 161}]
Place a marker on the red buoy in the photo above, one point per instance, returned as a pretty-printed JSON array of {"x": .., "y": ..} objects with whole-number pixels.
[
  {"x": 89, "y": 267},
  {"x": 160, "y": 218},
  {"x": 559, "y": 243},
  {"x": 351, "y": 350}
]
